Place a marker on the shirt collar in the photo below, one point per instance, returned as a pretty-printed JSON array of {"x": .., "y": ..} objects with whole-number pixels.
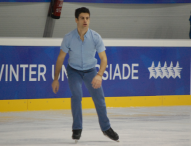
[{"x": 86, "y": 35}]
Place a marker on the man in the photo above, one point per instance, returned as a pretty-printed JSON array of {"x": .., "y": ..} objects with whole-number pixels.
[{"x": 82, "y": 44}]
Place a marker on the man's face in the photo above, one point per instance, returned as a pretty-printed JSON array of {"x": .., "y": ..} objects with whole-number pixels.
[{"x": 83, "y": 20}]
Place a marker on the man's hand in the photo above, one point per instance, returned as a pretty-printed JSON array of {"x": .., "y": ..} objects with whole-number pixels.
[
  {"x": 59, "y": 63},
  {"x": 55, "y": 86},
  {"x": 96, "y": 82}
]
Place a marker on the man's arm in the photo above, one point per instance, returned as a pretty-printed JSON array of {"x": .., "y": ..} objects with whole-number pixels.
[
  {"x": 97, "y": 80},
  {"x": 59, "y": 62},
  {"x": 103, "y": 64}
]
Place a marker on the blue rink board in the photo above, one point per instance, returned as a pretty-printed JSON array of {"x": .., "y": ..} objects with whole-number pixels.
[{"x": 169, "y": 72}]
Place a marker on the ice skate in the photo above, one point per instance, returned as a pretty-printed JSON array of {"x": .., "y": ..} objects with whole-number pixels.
[
  {"x": 76, "y": 135},
  {"x": 111, "y": 134}
]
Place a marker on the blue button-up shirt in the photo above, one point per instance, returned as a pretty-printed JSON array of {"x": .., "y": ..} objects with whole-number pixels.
[{"x": 82, "y": 53}]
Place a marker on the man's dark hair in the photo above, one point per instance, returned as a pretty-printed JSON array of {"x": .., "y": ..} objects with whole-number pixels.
[{"x": 81, "y": 10}]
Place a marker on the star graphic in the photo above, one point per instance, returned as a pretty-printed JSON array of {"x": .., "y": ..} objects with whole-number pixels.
[
  {"x": 165, "y": 71},
  {"x": 152, "y": 70},
  {"x": 171, "y": 70},
  {"x": 159, "y": 71},
  {"x": 177, "y": 70}
]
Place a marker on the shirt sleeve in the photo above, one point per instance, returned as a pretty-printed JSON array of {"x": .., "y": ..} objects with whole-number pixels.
[
  {"x": 99, "y": 44},
  {"x": 64, "y": 45}
]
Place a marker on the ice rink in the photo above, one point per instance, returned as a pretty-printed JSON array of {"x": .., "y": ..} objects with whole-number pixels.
[{"x": 140, "y": 126}]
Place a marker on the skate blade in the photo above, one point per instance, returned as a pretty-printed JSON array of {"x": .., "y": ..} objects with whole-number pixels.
[
  {"x": 110, "y": 138},
  {"x": 76, "y": 140}
]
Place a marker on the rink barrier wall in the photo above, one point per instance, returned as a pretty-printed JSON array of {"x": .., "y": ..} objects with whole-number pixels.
[
  {"x": 87, "y": 103},
  {"x": 10, "y": 105}
]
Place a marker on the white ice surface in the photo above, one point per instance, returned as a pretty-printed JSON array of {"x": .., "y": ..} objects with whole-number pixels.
[{"x": 143, "y": 126}]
